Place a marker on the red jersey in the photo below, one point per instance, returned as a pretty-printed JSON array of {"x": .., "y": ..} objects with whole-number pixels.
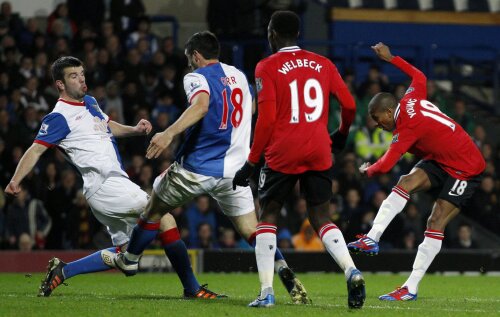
[
  {"x": 293, "y": 87},
  {"x": 422, "y": 129}
]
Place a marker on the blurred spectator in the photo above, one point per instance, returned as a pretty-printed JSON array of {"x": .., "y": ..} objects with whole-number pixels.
[
  {"x": 143, "y": 32},
  {"x": 25, "y": 242},
  {"x": 199, "y": 213},
  {"x": 484, "y": 205},
  {"x": 27, "y": 215},
  {"x": 31, "y": 97},
  {"x": 83, "y": 226},
  {"x": 479, "y": 135},
  {"x": 89, "y": 12},
  {"x": 435, "y": 96},
  {"x": 205, "y": 237},
  {"x": 464, "y": 238},
  {"x": 409, "y": 241},
  {"x": 284, "y": 239},
  {"x": 227, "y": 238},
  {"x": 462, "y": 116},
  {"x": 412, "y": 219},
  {"x": 59, "y": 203},
  {"x": 374, "y": 76},
  {"x": 371, "y": 142},
  {"x": 10, "y": 18},
  {"x": 59, "y": 23},
  {"x": 166, "y": 105},
  {"x": 307, "y": 239},
  {"x": 125, "y": 14}
]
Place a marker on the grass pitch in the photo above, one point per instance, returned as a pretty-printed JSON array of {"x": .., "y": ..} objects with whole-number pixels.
[{"x": 108, "y": 294}]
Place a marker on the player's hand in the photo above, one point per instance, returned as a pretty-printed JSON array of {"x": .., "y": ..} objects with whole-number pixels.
[
  {"x": 364, "y": 167},
  {"x": 12, "y": 188},
  {"x": 382, "y": 51},
  {"x": 143, "y": 127},
  {"x": 159, "y": 142},
  {"x": 339, "y": 141},
  {"x": 243, "y": 174}
]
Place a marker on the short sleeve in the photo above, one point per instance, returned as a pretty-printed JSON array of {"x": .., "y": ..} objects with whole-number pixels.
[
  {"x": 266, "y": 88},
  {"x": 54, "y": 128},
  {"x": 194, "y": 84}
]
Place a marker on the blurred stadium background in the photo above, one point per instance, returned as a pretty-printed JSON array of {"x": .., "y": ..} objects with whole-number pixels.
[{"x": 133, "y": 52}]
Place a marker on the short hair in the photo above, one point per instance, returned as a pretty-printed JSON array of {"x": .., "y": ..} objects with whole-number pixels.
[
  {"x": 286, "y": 24},
  {"x": 382, "y": 101},
  {"x": 205, "y": 43},
  {"x": 57, "y": 68}
]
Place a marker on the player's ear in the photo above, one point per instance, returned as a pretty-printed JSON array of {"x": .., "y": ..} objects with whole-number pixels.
[{"x": 60, "y": 84}]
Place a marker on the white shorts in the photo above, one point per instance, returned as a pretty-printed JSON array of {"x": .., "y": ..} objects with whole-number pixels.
[
  {"x": 177, "y": 186},
  {"x": 117, "y": 204}
]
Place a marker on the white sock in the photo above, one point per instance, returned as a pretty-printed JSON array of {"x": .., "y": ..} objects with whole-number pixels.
[
  {"x": 334, "y": 242},
  {"x": 390, "y": 207},
  {"x": 427, "y": 251},
  {"x": 132, "y": 257},
  {"x": 265, "y": 247}
]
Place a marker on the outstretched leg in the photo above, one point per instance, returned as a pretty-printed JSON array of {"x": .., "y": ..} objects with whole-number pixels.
[{"x": 442, "y": 212}]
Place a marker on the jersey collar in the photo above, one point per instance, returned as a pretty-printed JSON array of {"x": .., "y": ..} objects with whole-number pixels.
[
  {"x": 396, "y": 113},
  {"x": 80, "y": 104},
  {"x": 289, "y": 49}
]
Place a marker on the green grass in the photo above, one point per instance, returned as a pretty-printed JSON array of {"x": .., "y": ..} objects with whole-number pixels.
[{"x": 107, "y": 294}]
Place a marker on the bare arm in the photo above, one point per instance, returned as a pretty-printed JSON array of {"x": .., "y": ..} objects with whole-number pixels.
[
  {"x": 120, "y": 130},
  {"x": 26, "y": 164},
  {"x": 193, "y": 114}
]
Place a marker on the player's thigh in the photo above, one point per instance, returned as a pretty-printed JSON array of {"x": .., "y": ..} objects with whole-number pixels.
[
  {"x": 459, "y": 192},
  {"x": 117, "y": 205},
  {"x": 233, "y": 203},
  {"x": 274, "y": 188},
  {"x": 317, "y": 186},
  {"x": 177, "y": 186},
  {"x": 423, "y": 176}
]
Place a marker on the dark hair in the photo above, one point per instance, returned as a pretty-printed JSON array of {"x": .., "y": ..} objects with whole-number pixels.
[
  {"x": 286, "y": 24},
  {"x": 205, "y": 43},
  {"x": 57, "y": 68},
  {"x": 382, "y": 101}
]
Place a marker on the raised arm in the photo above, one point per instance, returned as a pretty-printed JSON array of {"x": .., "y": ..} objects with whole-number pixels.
[
  {"x": 26, "y": 164},
  {"x": 418, "y": 86}
]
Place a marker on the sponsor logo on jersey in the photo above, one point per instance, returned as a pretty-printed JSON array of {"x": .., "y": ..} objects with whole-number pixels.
[
  {"x": 395, "y": 138},
  {"x": 258, "y": 84},
  {"x": 44, "y": 129},
  {"x": 194, "y": 84},
  {"x": 409, "y": 90}
]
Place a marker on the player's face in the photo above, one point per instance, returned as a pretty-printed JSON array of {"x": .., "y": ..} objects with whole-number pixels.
[
  {"x": 384, "y": 119},
  {"x": 191, "y": 60},
  {"x": 271, "y": 39},
  {"x": 74, "y": 83}
]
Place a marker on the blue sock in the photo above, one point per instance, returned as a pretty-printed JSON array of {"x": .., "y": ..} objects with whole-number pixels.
[
  {"x": 88, "y": 264},
  {"x": 277, "y": 255},
  {"x": 176, "y": 251},
  {"x": 142, "y": 235}
]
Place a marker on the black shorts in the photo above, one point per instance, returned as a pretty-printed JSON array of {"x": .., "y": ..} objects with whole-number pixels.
[
  {"x": 275, "y": 186},
  {"x": 447, "y": 187}
]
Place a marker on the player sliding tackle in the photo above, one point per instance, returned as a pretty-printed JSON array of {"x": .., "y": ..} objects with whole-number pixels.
[
  {"x": 294, "y": 86},
  {"x": 217, "y": 141},
  {"x": 78, "y": 127},
  {"x": 451, "y": 166}
]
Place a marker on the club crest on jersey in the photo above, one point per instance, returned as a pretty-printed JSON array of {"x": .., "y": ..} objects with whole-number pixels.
[
  {"x": 44, "y": 129},
  {"x": 409, "y": 90},
  {"x": 395, "y": 138},
  {"x": 258, "y": 84}
]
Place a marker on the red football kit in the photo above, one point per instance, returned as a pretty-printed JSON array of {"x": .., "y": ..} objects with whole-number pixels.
[
  {"x": 422, "y": 129},
  {"x": 293, "y": 87}
]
